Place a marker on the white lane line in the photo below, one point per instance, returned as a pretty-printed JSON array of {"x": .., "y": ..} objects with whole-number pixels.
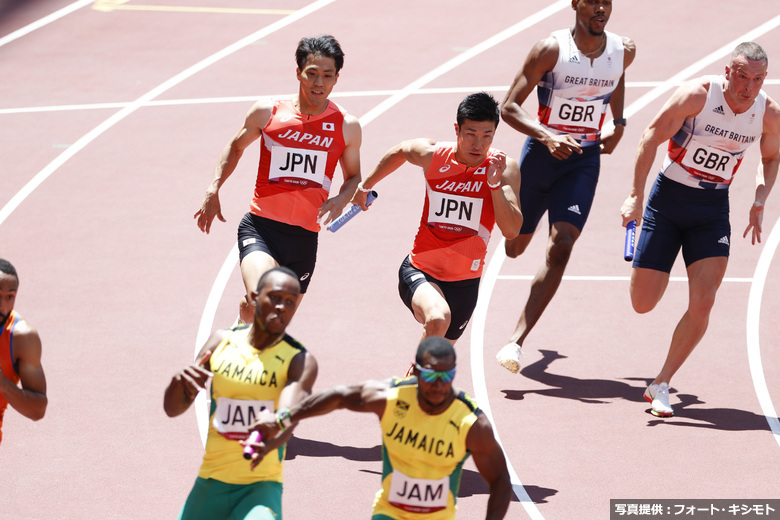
[
  {"x": 613, "y": 278},
  {"x": 79, "y": 145},
  {"x": 491, "y": 275},
  {"x": 478, "y": 369},
  {"x": 46, "y": 20},
  {"x": 252, "y": 99},
  {"x": 753, "y": 322}
]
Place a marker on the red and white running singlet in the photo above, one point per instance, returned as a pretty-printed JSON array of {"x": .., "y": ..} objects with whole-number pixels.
[
  {"x": 298, "y": 157},
  {"x": 457, "y": 218},
  {"x": 574, "y": 95},
  {"x": 708, "y": 149}
]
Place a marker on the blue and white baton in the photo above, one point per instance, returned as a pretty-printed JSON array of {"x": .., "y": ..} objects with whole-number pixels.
[
  {"x": 628, "y": 249},
  {"x": 350, "y": 212}
]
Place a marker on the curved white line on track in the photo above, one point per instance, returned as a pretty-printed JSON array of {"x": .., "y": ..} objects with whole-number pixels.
[
  {"x": 495, "y": 262},
  {"x": 753, "y": 322},
  {"x": 478, "y": 368},
  {"x": 46, "y": 20}
]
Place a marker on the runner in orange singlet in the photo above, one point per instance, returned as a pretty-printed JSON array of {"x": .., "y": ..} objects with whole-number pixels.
[
  {"x": 303, "y": 138},
  {"x": 469, "y": 188},
  {"x": 20, "y": 355}
]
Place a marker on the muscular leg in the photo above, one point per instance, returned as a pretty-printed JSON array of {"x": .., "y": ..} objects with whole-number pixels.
[
  {"x": 515, "y": 247},
  {"x": 431, "y": 309},
  {"x": 548, "y": 278},
  {"x": 704, "y": 279},
  {"x": 252, "y": 268},
  {"x": 646, "y": 288}
]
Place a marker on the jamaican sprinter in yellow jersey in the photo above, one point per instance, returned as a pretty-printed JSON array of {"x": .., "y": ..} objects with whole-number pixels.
[
  {"x": 254, "y": 369},
  {"x": 428, "y": 428},
  {"x": 246, "y": 383},
  {"x": 422, "y": 455}
]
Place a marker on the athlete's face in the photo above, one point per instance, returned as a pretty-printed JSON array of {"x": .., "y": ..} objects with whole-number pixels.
[
  {"x": 437, "y": 393},
  {"x": 9, "y": 284},
  {"x": 317, "y": 78},
  {"x": 276, "y": 302},
  {"x": 474, "y": 140},
  {"x": 592, "y": 15},
  {"x": 745, "y": 79}
]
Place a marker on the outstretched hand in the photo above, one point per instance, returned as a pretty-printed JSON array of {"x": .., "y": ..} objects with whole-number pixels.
[
  {"x": 755, "y": 218},
  {"x": 210, "y": 208}
]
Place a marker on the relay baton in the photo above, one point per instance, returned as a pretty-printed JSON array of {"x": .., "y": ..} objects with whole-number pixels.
[
  {"x": 628, "y": 250},
  {"x": 255, "y": 436},
  {"x": 350, "y": 212}
]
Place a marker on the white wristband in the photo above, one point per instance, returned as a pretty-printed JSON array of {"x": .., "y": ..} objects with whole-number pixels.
[
  {"x": 494, "y": 186},
  {"x": 361, "y": 188}
]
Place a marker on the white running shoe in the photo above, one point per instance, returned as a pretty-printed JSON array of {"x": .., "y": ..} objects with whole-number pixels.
[
  {"x": 509, "y": 357},
  {"x": 658, "y": 396}
]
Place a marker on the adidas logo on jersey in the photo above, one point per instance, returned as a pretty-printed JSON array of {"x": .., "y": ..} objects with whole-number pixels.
[
  {"x": 724, "y": 240},
  {"x": 574, "y": 59},
  {"x": 719, "y": 110},
  {"x": 575, "y": 209}
]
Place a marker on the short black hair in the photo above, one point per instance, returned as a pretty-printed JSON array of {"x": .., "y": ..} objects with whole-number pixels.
[
  {"x": 436, "y": 346},
  {"x": 7, "y": 268},
  {"x": 325, "y": 45},
  {"x": 478, "y": 107},
  {"x": 278, "y": 269}
]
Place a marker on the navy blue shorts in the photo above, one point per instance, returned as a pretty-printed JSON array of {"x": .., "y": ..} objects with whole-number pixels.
[
  {"x": 290, "y": 246},
  {"x": 562, "y": 187},
  {"x": 678, "y": 216},
  {"x": 461, "y": 295}
]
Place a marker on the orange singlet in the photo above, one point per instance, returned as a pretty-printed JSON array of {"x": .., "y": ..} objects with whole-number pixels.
[
  {"x": 457, "y": 218},
  {"x": 6, "y": 359},
  {"x": 298, "y": 157}
]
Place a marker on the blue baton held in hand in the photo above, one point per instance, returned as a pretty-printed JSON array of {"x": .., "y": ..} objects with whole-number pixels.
[
  {"x": 350, "y": 212},
  {"x": 628, "y": 250}
]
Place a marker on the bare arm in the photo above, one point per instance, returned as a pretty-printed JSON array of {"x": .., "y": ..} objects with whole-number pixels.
[
  {"x": 190, "y": 380},
  {"x": 361, "y": 397},
  {"x": 350, "y": 166},
  {"x": 540, "y": 60},
  {"x": 506, "y": 205},
  {"x": 255, "y": 121},
  {"x": 611, "y": 137},
  {"x": 30, "y": 400},
  {"x": 686, "y": 102},
  {"x": 300, "y": 381},
  {"x": 767, "y": 170},
  {"x": 414, "y": 151},
  {"x": 490, "y": 461}
]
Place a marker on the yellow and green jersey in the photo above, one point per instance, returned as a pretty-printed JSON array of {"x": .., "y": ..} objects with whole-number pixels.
[
  {"x": 246, "y": 383},
  {"x": 422, "y": 455}
]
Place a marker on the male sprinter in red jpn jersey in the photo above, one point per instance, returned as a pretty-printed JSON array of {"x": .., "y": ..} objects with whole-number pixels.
[
  {"x": 304, "y": 137},
  {"x": 469, "y": 188}
]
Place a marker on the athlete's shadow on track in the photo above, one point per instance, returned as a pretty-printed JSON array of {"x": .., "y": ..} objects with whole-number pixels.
[
  {"x": 592, "y": 391},
  {"x": 602, "y": 391},
  {"x": 310, "y": 448},
  {"x": 727, "y": 419},
  {"x": 471, "y": 482}
]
